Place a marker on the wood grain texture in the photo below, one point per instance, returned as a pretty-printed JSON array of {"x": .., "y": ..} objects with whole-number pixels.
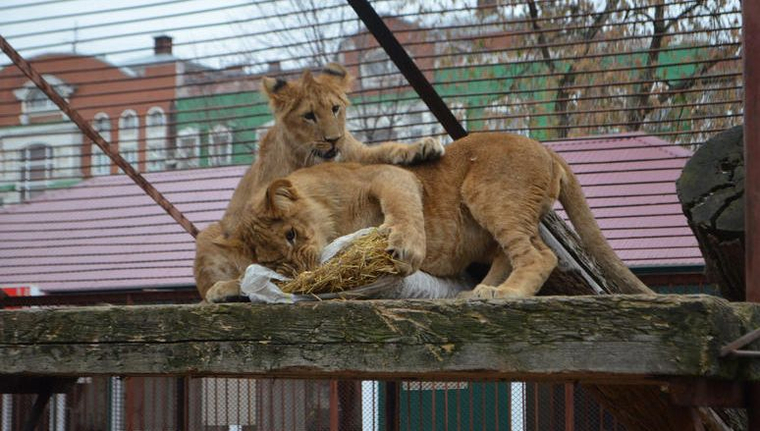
[
  {"x": 712, "y": 194},
  {"x": 566, "y": 338}
]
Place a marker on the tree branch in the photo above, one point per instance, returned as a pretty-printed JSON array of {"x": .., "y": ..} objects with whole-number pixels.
[{"x": 541, "y": 38}]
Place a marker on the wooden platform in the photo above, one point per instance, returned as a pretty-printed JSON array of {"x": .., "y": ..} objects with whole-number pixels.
[{"x": 592, "y": 339}]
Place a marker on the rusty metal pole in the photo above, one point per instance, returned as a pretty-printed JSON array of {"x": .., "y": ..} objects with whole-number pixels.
[
  {"x": 95, "y": 137},
  {"x": 750, "y": 47}
]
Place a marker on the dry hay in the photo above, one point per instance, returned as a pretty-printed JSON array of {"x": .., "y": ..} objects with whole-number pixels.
[{"x": 360, "y": 263}]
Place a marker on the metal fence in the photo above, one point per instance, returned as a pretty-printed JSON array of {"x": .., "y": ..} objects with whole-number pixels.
[
  {"x": 242, "y": 404},
  {"x": 174, "y": 85}
]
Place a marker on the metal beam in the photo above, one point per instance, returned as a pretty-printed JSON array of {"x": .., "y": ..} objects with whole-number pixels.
[
  {"x": 751, "y": 53},
  {"x": 750, "y": 47},
  {"x": 408, "y": 68}
]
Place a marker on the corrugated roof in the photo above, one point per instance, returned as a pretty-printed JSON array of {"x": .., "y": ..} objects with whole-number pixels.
[
  {"x": 66, "y": 240},
  {"x": 629, "y": 181}
]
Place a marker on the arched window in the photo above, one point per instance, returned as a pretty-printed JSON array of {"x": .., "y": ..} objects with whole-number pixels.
[
  {"x": 36, "y": 169},
  {"x": 220, "y": 146},
  {"x": 155, "y": 133},
  {"x": 37, "y": 101},
  {"x": 100, "y": 163},
  {"x": 129, "y": 126},
  {"x": 35, "y": 104},
  {"x": 188, "y": 148}
]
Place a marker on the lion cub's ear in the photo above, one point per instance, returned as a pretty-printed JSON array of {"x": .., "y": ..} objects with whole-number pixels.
[
  {"x": 337, "y": 73},
  {"x": 281, "y": 195},
  {"x": 275, "y": 90},
  {"x": 228, "y": 242}
]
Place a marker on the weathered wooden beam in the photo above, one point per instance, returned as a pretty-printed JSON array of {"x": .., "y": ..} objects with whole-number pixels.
[{"x": 602, "y": 338}]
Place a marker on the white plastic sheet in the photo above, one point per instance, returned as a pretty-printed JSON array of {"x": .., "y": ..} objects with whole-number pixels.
[{"x": 258, "y": 286}]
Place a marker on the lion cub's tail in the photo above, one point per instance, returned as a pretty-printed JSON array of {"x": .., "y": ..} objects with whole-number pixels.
[{"x": 574, "y": 202}]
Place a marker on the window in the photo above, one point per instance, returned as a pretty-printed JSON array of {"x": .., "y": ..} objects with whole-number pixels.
[
  {"x": 36, "y": 169},
  {"x": 188, "y": 149},
  {"x": 100, "y": 163},
  {"x": 220, "y": 146},
  {"x": 34, "y": 103},
  {"x": 37, "y": 101},
  {"x": 155, "y": 132},
  {"x": 128, "y": 130}
]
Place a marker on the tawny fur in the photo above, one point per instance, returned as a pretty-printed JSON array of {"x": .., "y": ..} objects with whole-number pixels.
[
  {"x": 293, "y": 142},
  {"x": 482, "y": 202}
]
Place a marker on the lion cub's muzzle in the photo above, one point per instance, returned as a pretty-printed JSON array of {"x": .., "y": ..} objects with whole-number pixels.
[
  {"x": 327, "y": 149},
  {"x": 328, "y": 153}
]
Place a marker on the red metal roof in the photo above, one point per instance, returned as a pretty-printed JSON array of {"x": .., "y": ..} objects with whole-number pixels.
[{"x": 71, "y": 240}]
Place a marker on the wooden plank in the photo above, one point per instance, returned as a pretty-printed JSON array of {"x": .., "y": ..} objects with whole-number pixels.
[{"x": 601, "y": 338}]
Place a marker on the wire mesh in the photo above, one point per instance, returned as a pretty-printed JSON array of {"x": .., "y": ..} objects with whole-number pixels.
[
  {"x": 623, "y": 90},
  {"x": 245, "y": 404}
]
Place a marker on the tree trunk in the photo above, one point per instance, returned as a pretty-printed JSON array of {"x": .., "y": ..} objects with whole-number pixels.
[{"x": 711, "y": 190}]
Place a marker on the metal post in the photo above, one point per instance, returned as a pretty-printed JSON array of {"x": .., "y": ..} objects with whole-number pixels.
[
  {"x": 569, "y": 406},
  {"x": 38, "y": 408},
  {"x": 391, "y": 407},
  {"x": 750, "y": 46}
]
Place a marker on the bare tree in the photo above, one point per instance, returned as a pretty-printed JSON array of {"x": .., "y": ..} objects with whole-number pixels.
[
  {"x": 306, "y": 34},
  {"x": 660, "y": 60}
]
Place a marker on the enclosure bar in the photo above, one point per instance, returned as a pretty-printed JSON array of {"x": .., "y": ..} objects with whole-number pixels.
[
  {"x": 93, "y": 135},
  {"x": 35, "y": 415},
  {"x": 751, "y": 45},
  {"x": 408, "y": 68},
  {"x": 751, "y": 40}
]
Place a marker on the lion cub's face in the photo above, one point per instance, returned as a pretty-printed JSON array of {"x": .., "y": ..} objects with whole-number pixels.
[
  {"x": 312, "y": 111},
  {"x": 284, "y": 231}
]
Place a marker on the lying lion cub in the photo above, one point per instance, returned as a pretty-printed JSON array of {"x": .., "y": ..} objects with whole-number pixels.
[{"x": 481, "y": 202}]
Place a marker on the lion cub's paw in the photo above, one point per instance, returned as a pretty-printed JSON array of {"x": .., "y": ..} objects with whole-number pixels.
[
  {"x": 406, "y": 248},
  {"x": 425, "y": 149},
  {"x": 484, "y": 291},
  {"x": 224, "y": 291}
]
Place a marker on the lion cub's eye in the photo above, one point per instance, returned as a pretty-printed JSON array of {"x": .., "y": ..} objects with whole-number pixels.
[
  {"x": 291, "y": 235},
  {"x": 336, "y": 109},
  {"x": 310, "y": 116}
]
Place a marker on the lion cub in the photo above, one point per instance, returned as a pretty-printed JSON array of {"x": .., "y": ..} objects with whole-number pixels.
[
  {"x": 481, "y": 202},
  {"x": 309, "y": 129}
]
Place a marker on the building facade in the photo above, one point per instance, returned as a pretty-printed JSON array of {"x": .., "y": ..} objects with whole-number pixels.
[{"x": 131, "y": 106}]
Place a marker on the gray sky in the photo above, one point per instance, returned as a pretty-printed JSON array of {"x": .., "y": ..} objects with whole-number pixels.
[
  {"x": 100, "y": 29},
  {"x": 103, "y": 31}
]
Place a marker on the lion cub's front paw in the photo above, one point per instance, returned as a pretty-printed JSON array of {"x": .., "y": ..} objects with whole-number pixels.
[
  {"x": 406, "y": 248},
  {"x": 484, "y": 291},
  {"x": 426, "y": 149},
  {"x": 224, "y": 291}
]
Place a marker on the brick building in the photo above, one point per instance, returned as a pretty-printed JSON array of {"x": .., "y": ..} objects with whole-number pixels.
[{"x": 130, "y": 105}]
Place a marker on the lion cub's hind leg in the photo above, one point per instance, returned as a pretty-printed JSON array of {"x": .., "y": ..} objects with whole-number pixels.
[
  {"x": 499, "y": 271},
  {"x": 513, "y": 222}
]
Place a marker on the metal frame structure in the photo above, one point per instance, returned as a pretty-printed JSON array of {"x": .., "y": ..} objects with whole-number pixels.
[
  {"x": 751, "y": 61},
  {"x": 751, "y": 45}
]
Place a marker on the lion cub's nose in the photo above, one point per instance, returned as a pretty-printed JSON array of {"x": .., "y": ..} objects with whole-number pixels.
[{"x": 333, "y": 140}]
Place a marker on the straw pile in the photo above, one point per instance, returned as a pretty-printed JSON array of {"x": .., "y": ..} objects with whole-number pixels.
[{"x": 360, "y": 263}]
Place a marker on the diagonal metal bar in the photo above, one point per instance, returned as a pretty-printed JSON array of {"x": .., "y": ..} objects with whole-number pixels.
[
  {"x": 408, "y": 68},
  {"x": 438, "y": 107},
  {"x": 93, "y": 135}
]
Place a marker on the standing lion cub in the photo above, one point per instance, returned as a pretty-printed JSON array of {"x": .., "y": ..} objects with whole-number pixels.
[{"x": 482, "y": 202}]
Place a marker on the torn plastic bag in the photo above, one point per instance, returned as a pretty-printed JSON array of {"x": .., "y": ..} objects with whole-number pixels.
[{"x": 258, "y": 286}]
